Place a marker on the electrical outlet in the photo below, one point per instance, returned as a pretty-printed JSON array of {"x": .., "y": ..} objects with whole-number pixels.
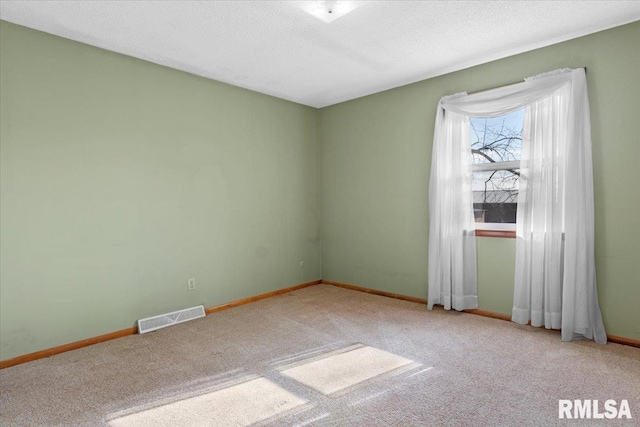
[{"x": 191, "y": 283}]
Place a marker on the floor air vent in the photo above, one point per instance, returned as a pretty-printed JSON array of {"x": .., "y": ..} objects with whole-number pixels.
[{"x": 162, "y": 321}]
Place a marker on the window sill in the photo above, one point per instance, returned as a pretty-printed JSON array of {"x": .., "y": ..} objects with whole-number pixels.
[{"x": 510, "y": 234}]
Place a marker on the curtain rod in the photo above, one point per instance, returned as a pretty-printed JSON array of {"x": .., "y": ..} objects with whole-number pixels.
[{"x": 509, "y": 84}]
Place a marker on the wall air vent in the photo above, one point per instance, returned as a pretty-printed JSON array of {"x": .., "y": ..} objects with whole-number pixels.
[{"x": 163, "y": 320}]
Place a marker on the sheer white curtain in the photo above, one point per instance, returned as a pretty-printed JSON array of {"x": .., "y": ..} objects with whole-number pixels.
[
  {"x": 555, "y": 283},
  {"x": 452, "y": 244}
]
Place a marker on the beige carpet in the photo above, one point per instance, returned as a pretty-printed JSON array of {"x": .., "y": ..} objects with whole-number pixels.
[
  {"x": 242, "y": 404},
  {"x": 346, "y": 368},
  {"x": 468, "y": 370}
]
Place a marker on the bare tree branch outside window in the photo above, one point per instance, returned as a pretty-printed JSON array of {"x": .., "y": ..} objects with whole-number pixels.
[{"x": 495, "y": 191}]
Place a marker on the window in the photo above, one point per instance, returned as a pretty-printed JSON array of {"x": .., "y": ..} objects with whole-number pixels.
[{"x": 496, "y": 144}]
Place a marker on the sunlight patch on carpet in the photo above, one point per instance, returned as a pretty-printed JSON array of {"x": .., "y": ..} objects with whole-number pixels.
[
  {"x": 343, "y": 370},
  {"x": 242, "y": 404}
]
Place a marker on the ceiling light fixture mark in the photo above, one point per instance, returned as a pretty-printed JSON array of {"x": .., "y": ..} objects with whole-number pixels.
[{"x": 328, "y": 11}]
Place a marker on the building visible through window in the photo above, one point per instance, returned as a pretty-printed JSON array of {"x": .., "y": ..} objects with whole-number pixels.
[{"x": 496, "y": 145}]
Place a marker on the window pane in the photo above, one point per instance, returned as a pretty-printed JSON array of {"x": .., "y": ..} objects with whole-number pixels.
[
  {"x": 495, "y": 196},
  {"x": 497, "y": 139}
]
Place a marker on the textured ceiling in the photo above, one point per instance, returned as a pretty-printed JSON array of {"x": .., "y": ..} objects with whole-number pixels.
[{"x": 274, "y": 47}]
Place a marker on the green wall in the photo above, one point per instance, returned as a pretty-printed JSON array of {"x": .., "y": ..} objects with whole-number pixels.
[
  {"x": 121, "y": 179},
  {"x": 375, "y": 159}
]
